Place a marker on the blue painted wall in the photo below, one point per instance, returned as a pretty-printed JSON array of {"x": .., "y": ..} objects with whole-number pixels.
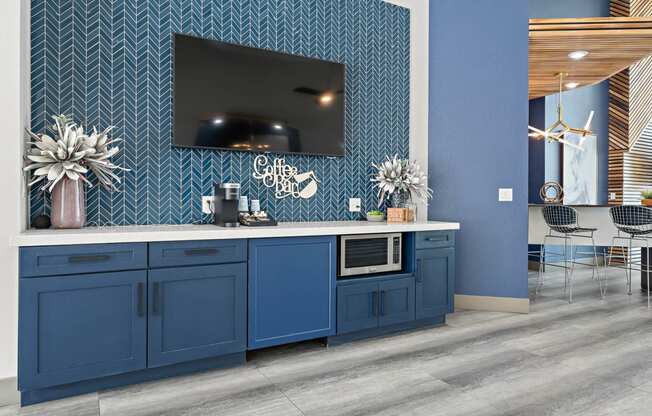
[
  {"x": 478, "y": 138},
  {"x": 109, "y": 63},
  {"x": 577, "y": 104},
  {"x": 536, "y": 151}
]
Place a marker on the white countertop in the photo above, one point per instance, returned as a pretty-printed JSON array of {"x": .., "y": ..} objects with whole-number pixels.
[{"x": 151, "y": 233}]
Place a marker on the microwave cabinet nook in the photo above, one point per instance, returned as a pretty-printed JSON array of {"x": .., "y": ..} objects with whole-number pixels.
[{"x": 95, "y": 316}]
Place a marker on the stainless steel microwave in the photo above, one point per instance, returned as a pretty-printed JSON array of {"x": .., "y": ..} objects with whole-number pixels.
[{"x": 370, "y": 253}]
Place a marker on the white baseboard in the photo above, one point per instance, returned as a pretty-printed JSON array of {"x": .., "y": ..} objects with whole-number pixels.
[
  {"x": 9, "y": 392},
  {"x": 493, "y": 304}
]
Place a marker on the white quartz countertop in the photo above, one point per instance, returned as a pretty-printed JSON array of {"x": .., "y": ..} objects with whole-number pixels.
[{"x": 151, "y": 233}]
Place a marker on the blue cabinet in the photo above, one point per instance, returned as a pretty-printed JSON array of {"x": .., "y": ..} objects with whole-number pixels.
[
  {"x": 357, "y": 307},
  {"x": 81, "y": 327},
  {"x": 196, "y": 253},
  {"x": 291, "y": 290},
  {"x": 395, "y": 301},
  {"x": 196, "y": 312},
  {"x": 435, "y": 282},
  {"x": 370, "y": 303},
  {"x": 78, "y": 259}
]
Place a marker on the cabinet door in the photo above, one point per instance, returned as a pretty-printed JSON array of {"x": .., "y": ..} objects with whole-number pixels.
[
  {"x": 357, "y": 307},
  {"x": 196, "y": 312},
  {"x": 291, "y": 290},
  {"x": 81, "y": 327},
  {"x": 396, "y": 301},
  {"x": 435, "y": 282}
]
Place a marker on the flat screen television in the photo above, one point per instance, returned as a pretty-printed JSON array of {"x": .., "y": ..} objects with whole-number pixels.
[{"x": 232, "y": 97}]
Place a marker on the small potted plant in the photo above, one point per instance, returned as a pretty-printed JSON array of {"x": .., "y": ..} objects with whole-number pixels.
[
  {"x": 646, "y": 197},
  {"x": 61, "y": 163},
  {"x": 375, "y": 216},
  {"x": 403, "y": 182}
]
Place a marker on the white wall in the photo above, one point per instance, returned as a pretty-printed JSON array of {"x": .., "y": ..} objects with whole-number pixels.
[
  {"x": 12, "y": 115},
  {"x": 419, "y": 75}
]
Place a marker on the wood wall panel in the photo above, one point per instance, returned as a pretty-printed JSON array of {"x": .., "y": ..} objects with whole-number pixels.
[{"x": 630, "y": 116}]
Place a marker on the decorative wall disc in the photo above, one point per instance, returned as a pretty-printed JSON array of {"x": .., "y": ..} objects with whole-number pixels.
[
  {"x": 285, "y": 179},
  {"x": 551, "y": 193}
]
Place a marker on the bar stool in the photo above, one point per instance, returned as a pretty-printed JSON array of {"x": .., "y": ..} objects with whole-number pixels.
[
  {"x": 562, "y": 223},
  {"x": 636, "y": 223}
]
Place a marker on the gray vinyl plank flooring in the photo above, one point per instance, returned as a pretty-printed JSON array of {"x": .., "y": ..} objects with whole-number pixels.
[
  {"x": 590, "y": 357},
  {"x": 86, "y": 405}
]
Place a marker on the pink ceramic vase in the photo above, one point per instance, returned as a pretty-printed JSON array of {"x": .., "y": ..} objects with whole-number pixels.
[{"x": 68, "y": 204}]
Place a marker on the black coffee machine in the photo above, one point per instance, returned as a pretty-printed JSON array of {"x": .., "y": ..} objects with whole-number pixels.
[{"x": 227, "y": 199}]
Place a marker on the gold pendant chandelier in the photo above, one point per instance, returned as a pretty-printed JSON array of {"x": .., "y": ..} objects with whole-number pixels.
[{"x": 558, "y": 130}]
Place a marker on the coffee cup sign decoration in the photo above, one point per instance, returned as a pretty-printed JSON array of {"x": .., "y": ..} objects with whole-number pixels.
[{"x": 285, "y": 179}]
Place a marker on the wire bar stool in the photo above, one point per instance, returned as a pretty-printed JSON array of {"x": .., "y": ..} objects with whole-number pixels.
[
  {"x": 634, "y": 224},
  {"x": 563, "y": 225}
]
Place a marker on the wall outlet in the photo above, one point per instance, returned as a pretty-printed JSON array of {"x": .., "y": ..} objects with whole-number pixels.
[
  {"x": 505, "y": 195},
  {"x": 355, "y": 205},
  {"x": 612, "y": 196},
  {"x": 207, "y": 204}
]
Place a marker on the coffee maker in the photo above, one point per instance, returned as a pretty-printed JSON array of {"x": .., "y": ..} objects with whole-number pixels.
[{"x": 227, "y": 198}]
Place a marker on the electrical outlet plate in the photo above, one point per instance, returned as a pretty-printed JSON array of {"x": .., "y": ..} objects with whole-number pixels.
[
  {"x": 207, "y": 204},
  {"x": 355, "y": 205},
  {"x": 505, "y": 195}
]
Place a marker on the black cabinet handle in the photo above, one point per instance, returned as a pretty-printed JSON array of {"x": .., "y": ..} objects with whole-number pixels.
[
  {"x": 91, "y": 258},
  {"x": 201, "y": 252},
  {"x": 156, "y": 304},
  {"x": 141, "y": 299},
  {"x": 374, "y": 302},
  {"x": 382, "y": 303},
  {"x": 419, "y": 277}
]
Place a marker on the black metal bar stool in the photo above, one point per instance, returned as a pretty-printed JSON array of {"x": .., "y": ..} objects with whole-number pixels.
[
  {"x": 563, "y": 224},
  {"x": 634, "y": 224}
]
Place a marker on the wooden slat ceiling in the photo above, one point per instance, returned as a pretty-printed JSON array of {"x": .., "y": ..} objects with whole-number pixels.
[{"x": 613, "y": 43}]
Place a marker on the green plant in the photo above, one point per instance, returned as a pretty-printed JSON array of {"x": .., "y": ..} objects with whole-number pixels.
[
  {"x": 646, "y": 194},
  {"x": 375, "y": 213}
]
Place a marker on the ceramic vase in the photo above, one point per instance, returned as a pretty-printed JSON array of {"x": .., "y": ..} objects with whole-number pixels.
[{"x": 68, "y": 204}]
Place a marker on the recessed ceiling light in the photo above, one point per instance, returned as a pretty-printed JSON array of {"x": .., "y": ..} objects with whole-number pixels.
[
  {"x": 571, "y": 85},
  {"x": 218, "y": 121},
  {"x": 577, "y": 55},
  {"x": 278, "y": 126}
]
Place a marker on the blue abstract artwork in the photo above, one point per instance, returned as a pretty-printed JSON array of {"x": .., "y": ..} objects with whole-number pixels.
[{"x": 109, "y": 63}]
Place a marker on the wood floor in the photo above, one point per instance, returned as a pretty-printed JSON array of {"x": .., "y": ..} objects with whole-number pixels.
[{"x": 588, "y": 358}]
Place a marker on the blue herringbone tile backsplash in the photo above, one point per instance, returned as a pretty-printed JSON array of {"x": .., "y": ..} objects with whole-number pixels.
[{"x": 109, "y": 63}]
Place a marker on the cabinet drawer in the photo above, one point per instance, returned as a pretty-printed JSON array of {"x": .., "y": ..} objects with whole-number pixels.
[
  {"x": 191, "y": 253},
  {"x": 91, "y": 258},
  {"x": 435, "y": 239}
]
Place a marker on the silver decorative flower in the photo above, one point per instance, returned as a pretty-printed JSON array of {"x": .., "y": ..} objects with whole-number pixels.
[
  {"x": 71, "y": 153},
  {"x": 400, "y": 176}
]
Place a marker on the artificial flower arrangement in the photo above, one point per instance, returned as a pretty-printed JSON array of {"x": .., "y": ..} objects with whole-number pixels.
[
  {"x": 70, "y": 154},
  {"x": 401, "y": 180}
]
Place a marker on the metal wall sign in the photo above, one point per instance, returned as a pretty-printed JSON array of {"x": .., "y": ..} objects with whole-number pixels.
[{"x": 285, "y": 179}]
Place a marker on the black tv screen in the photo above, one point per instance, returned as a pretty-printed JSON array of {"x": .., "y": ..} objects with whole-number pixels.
[{"x": 239, "y": 98}]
